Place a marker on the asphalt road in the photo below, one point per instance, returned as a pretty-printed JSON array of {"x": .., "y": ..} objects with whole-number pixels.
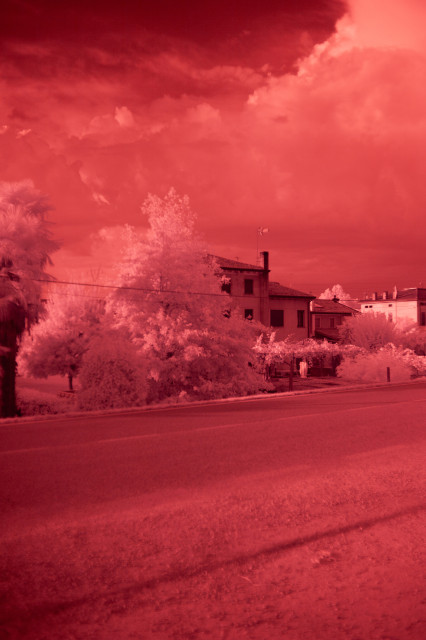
[
  {"x": 299, "y": 515},
  {"x": 51, "y": 467}
]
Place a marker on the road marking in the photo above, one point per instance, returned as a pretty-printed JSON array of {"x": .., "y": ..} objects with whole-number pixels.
[{"x": 245, "y": 424}]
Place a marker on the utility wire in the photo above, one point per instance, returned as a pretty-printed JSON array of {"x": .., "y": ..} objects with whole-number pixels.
[{"x": 146, "y": 289}]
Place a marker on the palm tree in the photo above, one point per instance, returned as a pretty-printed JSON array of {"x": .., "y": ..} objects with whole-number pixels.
[{"x": 25, "y": 248}]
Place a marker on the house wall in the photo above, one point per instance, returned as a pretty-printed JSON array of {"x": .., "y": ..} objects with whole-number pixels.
[
  {"x": 325, "y": 320},
  {"x": 290, "y": 306},
  {"x": 258, "y": 301},
  {"x": 395, "y": 310}
]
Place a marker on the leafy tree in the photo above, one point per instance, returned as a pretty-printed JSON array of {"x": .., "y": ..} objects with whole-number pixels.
[
  {"x": 56, "y": 344},
  {"x": 196, "y": 343},
  {"x": 368, "y": 366},
  {"x": 25, "y": 248},
  {"x": 336, "y": 291},
  {"x": 112, "y": 377},
  {"x": 370, "y": 331},
  {"x": 412, "y": 336}
]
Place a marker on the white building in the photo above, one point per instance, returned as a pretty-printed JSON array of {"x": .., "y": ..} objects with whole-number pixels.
[{"x": 400, "y": 305}]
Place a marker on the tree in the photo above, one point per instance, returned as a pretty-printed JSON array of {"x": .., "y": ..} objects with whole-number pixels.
[
  {"x": 196, "y": 343},
  {"x": 25, "y": 248},
  {"x": 336, "y": 291},
  {"x": 113, "y": 377},
  {"x": 56, "y": 344},
  {"x": 370, "y": 331},
  {"x": 367, "y": 366}
]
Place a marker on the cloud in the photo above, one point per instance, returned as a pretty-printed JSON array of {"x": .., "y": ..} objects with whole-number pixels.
[
  {"x": 397, "y": 24},
  {"x": 329, "y": 154}
]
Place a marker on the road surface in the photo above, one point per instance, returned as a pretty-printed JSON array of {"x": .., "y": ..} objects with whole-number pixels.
[{"x": 296, "y": 517}]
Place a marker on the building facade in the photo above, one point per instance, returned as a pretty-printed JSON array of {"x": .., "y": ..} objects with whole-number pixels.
[
  {"x": 399, "y": 306},
  {"x": 327, "y": 316},
  {"x": 285, "y": 310}
]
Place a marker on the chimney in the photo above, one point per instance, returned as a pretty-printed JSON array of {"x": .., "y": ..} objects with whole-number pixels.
[
  {"x": 395, "y": 293},
  {"x": 265, "y": 255},
  {"x": 335, "y": 298},
  {"x": 374, "y": 295},
  {"x": 384, "y": 295}
]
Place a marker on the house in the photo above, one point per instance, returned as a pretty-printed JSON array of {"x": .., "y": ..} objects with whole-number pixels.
[
  {"x": 327, "y": 316},
  {"x": 282, "y": 308},
  {"x": 289, "y": 312},
  {"x": 248, "y": 285},
  {"x": 400, "y": 305}
]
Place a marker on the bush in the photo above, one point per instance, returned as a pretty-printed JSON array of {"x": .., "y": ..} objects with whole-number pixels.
[
  {"x": 112, "y": 375},
  {"x": 372, "y": 367}
]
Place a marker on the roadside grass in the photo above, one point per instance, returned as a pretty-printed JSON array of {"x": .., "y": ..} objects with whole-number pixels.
[
  {"x": 248, "y": 560},
  {"x": 43, "y": 396},
  {"x": 37, "y": 396}
]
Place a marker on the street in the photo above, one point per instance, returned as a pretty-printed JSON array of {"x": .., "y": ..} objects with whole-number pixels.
[{"x": 296, "y": 517}]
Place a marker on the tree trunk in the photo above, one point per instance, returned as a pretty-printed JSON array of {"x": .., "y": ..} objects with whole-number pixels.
[
  {"x": 10, "y": 328},
  {"x": 8, "y": 407},
  {"x": 70, "y": 387}
]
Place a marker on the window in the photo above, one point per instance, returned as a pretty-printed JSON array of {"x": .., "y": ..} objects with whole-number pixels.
[
  {"x": 248, "y": 286},
  {"x": 248, "y": 314},
  {"x": 332, "y": 323},
  {"x": 339, "y": 320},
  {"x": 277, "y": 318},
  {"x": 423, "y": 318},
  {"x": 317, "y": 322},
  {"x": 300, "y": 318},
  {"x": 226, "y": 284}
]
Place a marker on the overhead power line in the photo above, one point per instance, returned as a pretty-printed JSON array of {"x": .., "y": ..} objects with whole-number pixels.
[{"x": 146, "y": 289}]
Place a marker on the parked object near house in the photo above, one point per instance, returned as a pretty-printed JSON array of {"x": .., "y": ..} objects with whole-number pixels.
[
  {"x": 327, "y": 317},
  {"x": 400, "y": 305},
  {"x": 284, "y": 309}
]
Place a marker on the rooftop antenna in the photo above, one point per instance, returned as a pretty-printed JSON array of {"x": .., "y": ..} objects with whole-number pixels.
[{"x": 260, "y": 232}]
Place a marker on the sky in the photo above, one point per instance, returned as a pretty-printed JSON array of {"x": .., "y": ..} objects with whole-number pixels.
[{"x": 307, "y": 117}]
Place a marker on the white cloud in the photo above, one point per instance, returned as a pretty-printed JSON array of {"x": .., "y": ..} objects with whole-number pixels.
[{"x": 124, "y": 117}]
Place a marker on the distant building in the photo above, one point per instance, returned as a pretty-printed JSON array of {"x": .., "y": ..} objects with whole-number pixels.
[
  {"x": 284, "y": 309},
  {"x": 327, "y": 317},
  {"x": 401, "y": 304}
]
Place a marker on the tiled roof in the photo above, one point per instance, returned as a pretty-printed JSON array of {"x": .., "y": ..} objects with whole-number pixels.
[
  {"x": 321, "y": 305},
  {"x": 225, "y": 263},
  {"x": 414, "y": 293},
  {"x": 411, "y": 293},
  {"x": 277, "y": 289},
  {"x": 332, "y": 335}
]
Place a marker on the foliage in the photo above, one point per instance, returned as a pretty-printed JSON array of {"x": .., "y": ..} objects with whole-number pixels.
[
  {"x": 189, "y": 362},
  {"x": 336, "y": 291},
  {"x": 269, "y": 351},
  {"x": 25, "y": 248},
  {"x": 112, "y": 374},
  {"x": 171, "y": 304},
  {"x": 369, "y": 366},
  {"x": 57, "y": 343},
  {"x": 25, "y": 243},
  {"x": 412, "y": 336},
  {"x": 370, "y": 331}
]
